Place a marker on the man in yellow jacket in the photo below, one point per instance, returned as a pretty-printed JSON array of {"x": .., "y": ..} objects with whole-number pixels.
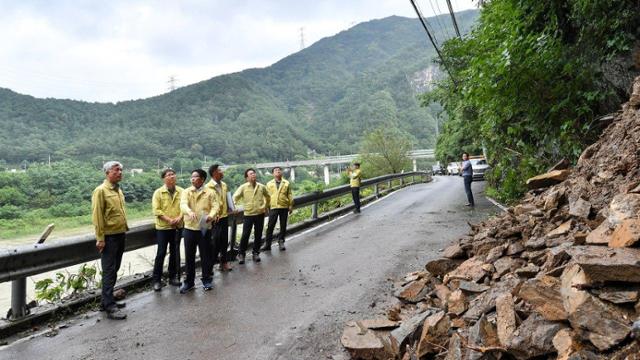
[
  {"x": 281, "y": 206},
  {"x": 165, "y": 204},
  {"x": 199, "y": 207},
  {"x": 110, "y": 223},
  {"x": 254, "y": 198},
  {"x": 220, "y": 232},
  {"x": 355, "y": 180}
]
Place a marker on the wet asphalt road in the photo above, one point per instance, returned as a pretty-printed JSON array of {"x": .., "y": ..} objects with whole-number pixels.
[{"x": 293, "y": 304}]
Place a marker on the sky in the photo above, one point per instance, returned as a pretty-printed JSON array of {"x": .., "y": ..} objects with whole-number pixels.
[{"x": 116, "y": 50}]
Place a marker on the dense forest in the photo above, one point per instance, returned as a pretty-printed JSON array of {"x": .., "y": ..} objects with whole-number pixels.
[
  {"x": 531, "y": 81},
  {"x": 319, "y": 100}
]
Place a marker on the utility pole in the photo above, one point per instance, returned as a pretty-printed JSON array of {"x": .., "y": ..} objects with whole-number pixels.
[
  {"x": 172, "y": 83},
  {"x": 453, "y": 18},
  {"x": 301, "y": 38}
]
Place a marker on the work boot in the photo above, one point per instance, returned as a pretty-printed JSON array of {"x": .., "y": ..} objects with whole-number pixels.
[
  {"x": 175, "y": 281},
  {"x": 157, "y": 286},
  {"x": 241, "y": 259},
  {"x": 256, "y": 257},
  {"x": 116, "y": 314},
  {"x": 266, "y": 247},
  {"x": 281, "y": 245}
]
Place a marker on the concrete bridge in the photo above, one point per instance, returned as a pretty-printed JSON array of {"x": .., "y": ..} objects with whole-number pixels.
[
  {"x": 340, "y": 159},
  {"x": 292, "y": 305}
]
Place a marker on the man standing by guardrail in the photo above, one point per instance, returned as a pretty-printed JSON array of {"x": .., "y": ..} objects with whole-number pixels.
[
  {"x": 281, "y": 206},
  {"x": 356, "y": 178},
  {"x": 110, "y": 222},
  {"x": 168, "y": 222},
  {"x": 255, "y": 200},
  {"x": 199, "y": 207},
  {"x": 220, "y": 232}
]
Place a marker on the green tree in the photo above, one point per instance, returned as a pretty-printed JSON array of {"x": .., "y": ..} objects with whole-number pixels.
[{"x": 384, "y": 150}]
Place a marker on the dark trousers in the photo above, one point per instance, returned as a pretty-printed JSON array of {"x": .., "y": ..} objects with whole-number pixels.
[
  {"x": 274, "y": 215},
  {"x": 220, "y": 240},
  {"x": 110, "y": 259},
  {"x": 355, "y": 194},
  {"x": 467, "y": 188},
  {"x": 171, "y": 239},
  {"x": 194, "y": 239},
  {"x": 256, "y": 222}
]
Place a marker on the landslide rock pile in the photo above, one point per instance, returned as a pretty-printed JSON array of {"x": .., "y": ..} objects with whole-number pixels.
[{"x": 555, "y": 277}]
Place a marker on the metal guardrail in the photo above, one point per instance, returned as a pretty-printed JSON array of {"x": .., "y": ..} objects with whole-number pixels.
[
  {"x": 339, "y": 159},
  {"x": 23, "y": 261}
]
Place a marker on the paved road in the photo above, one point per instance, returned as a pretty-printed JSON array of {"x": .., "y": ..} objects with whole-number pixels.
[{"x": 293, "y": 304}]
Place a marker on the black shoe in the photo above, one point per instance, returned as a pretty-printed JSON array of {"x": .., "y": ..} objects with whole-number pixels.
[
  {"x": 256, "y": 257},
  {"x": 116, "y": 305},
  {"x": 281, "y": 246},
  {"x": 186, "y": 288},
  {"x": 116, "y": 314},
  {"x": 241, "y": 259},
  {"x": 207, "y": 285},
  {"x": 266, "y": 247},
  {"x": 175, "y": 281},
  {"x": 157, "y": 286}
]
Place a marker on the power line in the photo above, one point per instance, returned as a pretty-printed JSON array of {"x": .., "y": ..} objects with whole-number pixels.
[
  {"x": 424, "y": 25},
  {"x": 453, "y": 18},
  {"x": 445, "y": 31}
]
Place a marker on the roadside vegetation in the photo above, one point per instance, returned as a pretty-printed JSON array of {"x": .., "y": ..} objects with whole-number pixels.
[{"x": 530, "y": 82}]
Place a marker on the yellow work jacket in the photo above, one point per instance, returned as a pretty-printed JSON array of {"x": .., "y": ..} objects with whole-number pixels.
[
  {"x": 221, "y": 195},
  {"x": 201, "y": 203},
  {"x": 282, "y": 197},
  {"x": 162, "y": 203},
  {"x": 254, "y": 200},
  {"x": 108, "y": 215},
  {"x": 355, "y": 178}
]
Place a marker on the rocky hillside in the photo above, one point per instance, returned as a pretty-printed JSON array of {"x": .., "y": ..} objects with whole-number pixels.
[{"x": 555, "y": 277}]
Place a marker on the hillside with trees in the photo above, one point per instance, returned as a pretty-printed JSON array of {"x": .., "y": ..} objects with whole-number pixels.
[{"x": 319, "y": 100}]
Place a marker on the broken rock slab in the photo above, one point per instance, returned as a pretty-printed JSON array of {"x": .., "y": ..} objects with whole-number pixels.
[
  {"x": 601, "y": 264},
  {"x": 442, "y": 266},
  {"x": 457, "y": 303},
  {"x": 626, "y": 234},
  {"x": 622, "y": 207},
  {"x": 362, "y": 343},
  {"x": 506, "y": 318},
  {"x": 580, "y": 208},
  {"x": 543, "y": 294},
  {"x": 602, "y": 324},
  {"x": 486, "y": 301},
  {"x": 600, "y": 235},
  {"x": 408, "y": 331},
  {"x": 414, "y": 291},
  {"x": 470, "y": 270},
  {"x": 545, "y": 180},
  {"x": 434, "y": 334},
  {"x": 534, "y": 337}
]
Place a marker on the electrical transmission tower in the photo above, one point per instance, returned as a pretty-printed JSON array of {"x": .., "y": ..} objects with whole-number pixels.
[
  {"x": 301, "y": 38},
  {"x": 172, "y": 83}
]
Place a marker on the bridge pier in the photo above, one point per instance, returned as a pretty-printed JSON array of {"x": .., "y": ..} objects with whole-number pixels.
[
  {"x": 292, "y": 176},
  {"x": 415, "y": 165},
  {"x": 327, "y": 178}
]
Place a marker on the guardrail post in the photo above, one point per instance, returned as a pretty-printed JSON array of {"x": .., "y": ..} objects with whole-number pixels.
[
  {"x": 401, "y": 180},
  {"x": 388, "y": 184},
  {"x": 18, "y": 298},
  {"x": 413, "y": 178},
  {"x": 377, "y": 190},
  {"x": 314, "y": 210}
]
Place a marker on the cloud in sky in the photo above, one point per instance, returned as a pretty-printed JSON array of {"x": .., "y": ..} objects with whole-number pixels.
[{"x": 118, "y": 50}]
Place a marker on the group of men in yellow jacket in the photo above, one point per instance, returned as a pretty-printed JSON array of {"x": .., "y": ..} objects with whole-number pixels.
[{"x": 199, "y": 214}]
